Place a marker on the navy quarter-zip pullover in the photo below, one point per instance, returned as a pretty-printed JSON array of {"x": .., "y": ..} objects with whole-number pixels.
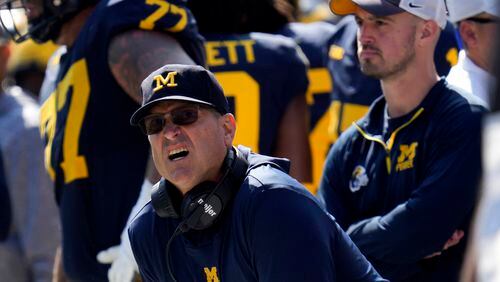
[
  {"x": 401, "y": 186},
  {"x": 274, "y": 230}
]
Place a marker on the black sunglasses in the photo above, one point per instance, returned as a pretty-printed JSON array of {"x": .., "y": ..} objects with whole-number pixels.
[
  {"x": 483, "y": 20},
  {"x": 154, "y": 123}
]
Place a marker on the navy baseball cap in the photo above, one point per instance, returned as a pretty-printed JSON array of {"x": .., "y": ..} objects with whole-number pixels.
[
  {"x": 426, "y": 9},
  {"x": 180, "y": 83}
]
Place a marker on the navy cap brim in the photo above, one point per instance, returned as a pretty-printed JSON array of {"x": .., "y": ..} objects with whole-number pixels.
[
  {"x": 378, "y": 8},
  {"x": 144, "y": 110}
]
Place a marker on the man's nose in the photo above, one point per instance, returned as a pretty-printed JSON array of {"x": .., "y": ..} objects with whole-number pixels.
[
  {"x": 170, "y": 130},
  {"x": 365, "y": 34}
]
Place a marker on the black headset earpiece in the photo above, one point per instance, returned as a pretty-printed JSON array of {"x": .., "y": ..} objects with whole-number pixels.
[
  {"x": 203, "y": 204},
  {"x": 165, "y": 199}
]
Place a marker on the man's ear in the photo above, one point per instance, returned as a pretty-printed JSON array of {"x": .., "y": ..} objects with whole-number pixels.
[
  {"x": 229, "y": 126},
  {"x": 429, "y": 31},
  {"x": 467, "y": 32}
]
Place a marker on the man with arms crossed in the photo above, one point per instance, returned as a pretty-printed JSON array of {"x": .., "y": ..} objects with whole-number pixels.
[{"x": 402, "y": 180}]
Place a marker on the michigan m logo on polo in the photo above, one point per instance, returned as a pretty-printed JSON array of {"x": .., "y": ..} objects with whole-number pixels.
[
  {"x": 168, "y": 81},
  {"x": 211, "y": 274},
  {"x": 405, "y": 159}
]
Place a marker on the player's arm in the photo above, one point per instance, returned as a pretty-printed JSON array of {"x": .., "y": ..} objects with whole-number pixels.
[
  {"x": 421, "y": 226},
  {"x": 293, "y": 141},
  {"x": 132, "y": 56}
]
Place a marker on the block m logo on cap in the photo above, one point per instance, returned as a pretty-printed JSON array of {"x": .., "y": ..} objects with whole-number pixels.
[{"x": 168, "y": 81}]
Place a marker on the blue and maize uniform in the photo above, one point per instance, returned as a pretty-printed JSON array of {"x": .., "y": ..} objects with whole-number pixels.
[
  {"x": 260, "y": 74},
  {"x": 313, "y": 39},
  {"x": 353, "y": 92},
  {"x": 272, "y": 230},
  {"x": 401, "y": 186},
  {"x": 95, "y": 157}
]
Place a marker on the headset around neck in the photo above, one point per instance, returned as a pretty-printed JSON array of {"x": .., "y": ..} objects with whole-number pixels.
[{"x": 202, "y": 205}]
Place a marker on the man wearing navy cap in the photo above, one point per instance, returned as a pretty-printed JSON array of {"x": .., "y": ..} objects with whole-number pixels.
[
  {"x": 222, "y": 213},
  {"x": 402, "y": 180}
]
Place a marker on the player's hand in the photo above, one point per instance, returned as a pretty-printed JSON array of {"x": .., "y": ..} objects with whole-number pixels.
[
  {"x": 123, "y": 267},
  {"x": 454, "y": 239}
]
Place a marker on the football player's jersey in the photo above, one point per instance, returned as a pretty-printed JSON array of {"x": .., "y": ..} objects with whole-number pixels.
[
  {"x": 96, "y": 159},
  {"x": 353, "y": 92},
  {"x": 313, "y": 39},
  {"x": 260, "y": 74}
]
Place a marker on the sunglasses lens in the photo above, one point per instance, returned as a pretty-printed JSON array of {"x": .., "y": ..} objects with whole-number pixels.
[
  {"x": 152, "y": 124},
  {"x": 185, "y": 116}
]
